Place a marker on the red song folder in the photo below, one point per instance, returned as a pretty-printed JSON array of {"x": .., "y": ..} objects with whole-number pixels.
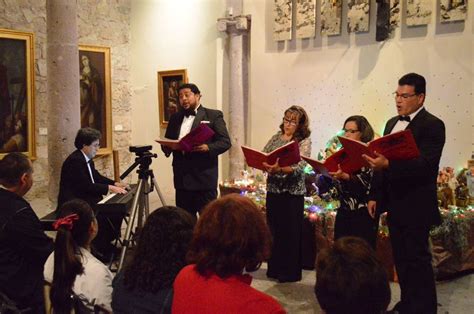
[
  {"x": 396, "y": 146},
  {"x": 340, "y": 157},
  {"x": 197, "y": 136},
  {"x": 287, "y": 155}
]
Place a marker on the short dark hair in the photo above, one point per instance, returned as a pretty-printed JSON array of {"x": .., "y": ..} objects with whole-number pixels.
[
  {"x": 161, "y": 250},
  {"x": 415, "y": 80},
  {"x": 302, "y": 130},
  {"x": 86, "y": 136},
  {"x": 230, "y": 236},
  {"x": 350, "y": 279},
  {"x": 364, "y": 127},
  {"x": 191, "y": 86},
  {"x": 12, "y": 167}
]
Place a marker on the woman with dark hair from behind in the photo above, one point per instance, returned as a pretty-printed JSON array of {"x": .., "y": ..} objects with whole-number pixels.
[
  {"x": 350, "y": 279},
  {"x": 230, "y": 237},
  {"x": 146, "y": 283},
  {"x": 71, "y": 269},
  {"x": 353, "y": 218}
]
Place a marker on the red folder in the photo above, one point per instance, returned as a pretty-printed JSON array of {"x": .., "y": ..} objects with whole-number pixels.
[
  {"x": 340, "y": 157},
  {"x": 197, "y": 136},
  {"x": 396, "y": 146},
  {"x": 287, "y": 155}
]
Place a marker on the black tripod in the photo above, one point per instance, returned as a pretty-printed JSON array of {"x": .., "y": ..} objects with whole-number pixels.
[{"x": 141, "y": 203}]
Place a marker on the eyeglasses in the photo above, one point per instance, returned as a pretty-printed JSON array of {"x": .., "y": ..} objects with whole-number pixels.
[
  {"x": 404, "y": 96},
  {"x": 290, "y": 122},
  {"x": 350, "y": 131},
  {"x": 97, "y": 145}
]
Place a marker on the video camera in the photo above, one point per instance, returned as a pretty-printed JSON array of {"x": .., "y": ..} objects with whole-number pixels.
[
  {"x": 143, "y": 158},
  {"x": 139, "y": 150}
]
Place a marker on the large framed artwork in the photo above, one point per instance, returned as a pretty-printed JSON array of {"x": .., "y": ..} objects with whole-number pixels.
[
  {"x": 17, "y": 112},
  {"x": 95, "y": 93},
  {"x": 168, "y": 100}
]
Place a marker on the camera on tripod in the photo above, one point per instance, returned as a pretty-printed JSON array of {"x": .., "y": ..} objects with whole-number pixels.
[
  {"x": 140, "y": 150},
  {"x": 143, "y": 159}
]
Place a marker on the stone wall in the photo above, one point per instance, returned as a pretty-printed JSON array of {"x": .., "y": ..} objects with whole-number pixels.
[{"x": 100, "y": 23}]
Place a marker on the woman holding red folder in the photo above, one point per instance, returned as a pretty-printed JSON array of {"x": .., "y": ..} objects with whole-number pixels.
[
  {"x": 285, "y": 198},
  {"x": 352, "y": 217}
]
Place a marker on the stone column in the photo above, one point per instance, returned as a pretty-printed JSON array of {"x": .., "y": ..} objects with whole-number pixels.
[
  {"x": 63, "y": 86},
  {"x": 237, "y": 28}
]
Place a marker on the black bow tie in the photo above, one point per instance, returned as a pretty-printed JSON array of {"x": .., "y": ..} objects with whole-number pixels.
[
  {"x": 189, "y": 112},
  {"x": 404, "y": 118}
]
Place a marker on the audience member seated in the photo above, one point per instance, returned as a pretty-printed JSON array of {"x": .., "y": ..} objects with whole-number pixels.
[
  {"x": 350, "y": 279},
  {"x": 230, "y": 237},
  {"x": 145, "y": 285},
  {"x": 72, "y": 270},
  {"x": 23, "y": 245}
]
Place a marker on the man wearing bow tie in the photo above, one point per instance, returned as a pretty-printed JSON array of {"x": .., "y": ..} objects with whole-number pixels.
[
  {"x": 195, "y": 173},
  {"x": 406, "y": 189},
  {"x": 80, "y": 179}
]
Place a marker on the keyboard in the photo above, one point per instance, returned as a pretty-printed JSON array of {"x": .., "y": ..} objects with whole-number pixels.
[{"x": 116, "y": 203}]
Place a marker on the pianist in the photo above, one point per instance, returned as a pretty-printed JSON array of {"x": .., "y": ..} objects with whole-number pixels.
[{"x": 80, "y": 179}]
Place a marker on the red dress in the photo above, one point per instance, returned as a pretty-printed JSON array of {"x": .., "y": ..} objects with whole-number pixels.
[{"x": 194, "y": 293}]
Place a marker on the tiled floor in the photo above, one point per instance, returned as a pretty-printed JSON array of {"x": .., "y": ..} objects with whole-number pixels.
[{"x": 454, "y": 297}]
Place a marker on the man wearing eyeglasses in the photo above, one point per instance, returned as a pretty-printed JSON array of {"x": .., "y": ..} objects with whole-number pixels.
[
  {"x": 406, "y": 189},
  {"x": 195, "y": 173},
  {"x": 80, "y": 179}
]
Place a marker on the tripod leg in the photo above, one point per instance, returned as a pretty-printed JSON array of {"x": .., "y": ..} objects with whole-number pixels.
[
  {"x": 143, "y": 203},
  {"x": 162, "y": 199},
  {"x": 133, "y": 213}
]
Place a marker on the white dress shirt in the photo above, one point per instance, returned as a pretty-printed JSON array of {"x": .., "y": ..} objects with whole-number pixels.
[
  {"x": 187, "y": 124},
  {"x": 402, "y": 125},
  {"x": 88, "y": 166},
  {"x": 94, "y": 285}
]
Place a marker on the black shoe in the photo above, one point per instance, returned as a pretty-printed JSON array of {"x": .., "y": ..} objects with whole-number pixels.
[
  {"x": 288, "y": 279},
  {"x": 272, "y": 276}
]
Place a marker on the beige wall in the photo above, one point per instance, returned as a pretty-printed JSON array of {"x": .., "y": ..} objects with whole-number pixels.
[
  {"x": 168, "y": 35},
  {"x": 344, "y": 75}
]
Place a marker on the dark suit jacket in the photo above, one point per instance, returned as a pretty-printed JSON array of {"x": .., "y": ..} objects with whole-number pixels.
[
  {"x": 76, "y": 181},
  {"x": 198, "y": 171},
  {"x": 24, "y": 248},
  {"x": 407, "y": 188}
]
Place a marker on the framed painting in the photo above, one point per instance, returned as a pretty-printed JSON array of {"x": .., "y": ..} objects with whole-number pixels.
[
  {"x": 95, "y": 93},
  {"x": 168, "y": 100},
  {"x": 17, "y": 112}
]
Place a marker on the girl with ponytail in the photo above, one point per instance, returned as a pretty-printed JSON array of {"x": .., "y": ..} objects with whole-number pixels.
[{"x": 71, "y": 269}]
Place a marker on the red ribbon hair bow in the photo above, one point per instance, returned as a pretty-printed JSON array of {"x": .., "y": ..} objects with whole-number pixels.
[{"x": 67, "y": 221}]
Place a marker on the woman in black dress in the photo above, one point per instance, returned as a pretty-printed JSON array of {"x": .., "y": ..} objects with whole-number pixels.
[{"x": 352, "y": 217}]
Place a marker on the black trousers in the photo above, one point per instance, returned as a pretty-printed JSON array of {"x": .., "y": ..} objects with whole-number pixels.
[
  {"x": 194, "y": 201},
  {"x": 356, "y": 223},
  {"x": 285, "y": 219},
  {"x": 412, "y": 257}
]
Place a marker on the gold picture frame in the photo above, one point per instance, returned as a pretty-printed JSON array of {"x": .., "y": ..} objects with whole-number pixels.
[
  {"x": 168, "y": 100},
  {"x": 17, "y": 81},
  {"x": 95, "y": 93}
]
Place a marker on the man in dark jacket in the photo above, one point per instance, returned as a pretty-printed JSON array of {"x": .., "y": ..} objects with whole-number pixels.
[
  {"x": 406, "y": 190},
  {"x": 80, "y": 179},
  {"x": 24, "y": 247},
  {"x": 195, "y": 173}
]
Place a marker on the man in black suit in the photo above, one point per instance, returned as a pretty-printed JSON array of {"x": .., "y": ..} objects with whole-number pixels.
[
  {"x": 80, "y": 179},
  {"x": 24, "y": 247},
  {"x": 406, "y": 189},
  {"x": 195, "y": 173}
]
